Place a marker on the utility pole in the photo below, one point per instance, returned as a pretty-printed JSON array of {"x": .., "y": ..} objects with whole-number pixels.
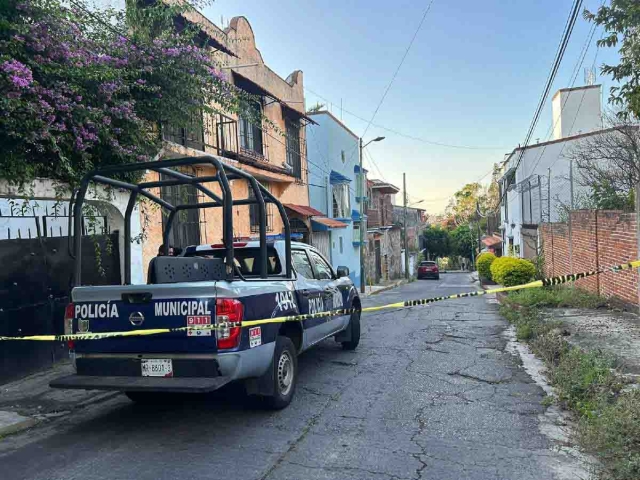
[
  {"x": 362, "y": 224},
  {"x": 362, "y": 212},
  {"x": 406, "y": 240},
  {"x": 569, "y": 219}
]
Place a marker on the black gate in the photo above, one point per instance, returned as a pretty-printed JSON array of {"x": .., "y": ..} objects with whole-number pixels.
[{"x": 34, "y": 289}]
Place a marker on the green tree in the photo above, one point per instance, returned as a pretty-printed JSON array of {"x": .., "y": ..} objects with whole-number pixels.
[
  {"x": 437, "y": 241},
  {"x": 463, "y": 241},
  {"x": 83, "y": 88},
  {"x": 621, "y": 21}
]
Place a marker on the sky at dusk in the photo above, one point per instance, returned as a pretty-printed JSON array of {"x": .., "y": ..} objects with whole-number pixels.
[{"x": 472, "y": 78}]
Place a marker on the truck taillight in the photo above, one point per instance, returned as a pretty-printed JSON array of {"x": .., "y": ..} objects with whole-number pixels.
[
  {"x": 228, "y": 310},
  {"x": 68, "y": 319}
]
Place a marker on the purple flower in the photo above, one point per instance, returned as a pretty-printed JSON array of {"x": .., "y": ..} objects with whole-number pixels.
[
  {"x": 19, "y": 74},
  {"x": 141, "y": 81},
  {"x": 78, "y": 98},
  {"x": 106, "y": 120}
]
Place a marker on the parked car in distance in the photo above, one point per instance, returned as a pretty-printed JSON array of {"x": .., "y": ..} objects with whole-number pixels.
[{"x": 428, "y": 270}]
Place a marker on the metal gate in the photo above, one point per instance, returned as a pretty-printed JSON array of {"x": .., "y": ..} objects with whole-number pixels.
[
  {"x": 322, "y": 241},
  {"x": 34, "y": 290}
]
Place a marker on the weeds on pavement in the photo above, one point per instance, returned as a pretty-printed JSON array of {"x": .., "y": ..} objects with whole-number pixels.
[{"x": 586, "y": 382}]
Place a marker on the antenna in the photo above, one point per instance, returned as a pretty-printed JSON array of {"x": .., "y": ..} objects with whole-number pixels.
[{"x": 589, "y": 75}]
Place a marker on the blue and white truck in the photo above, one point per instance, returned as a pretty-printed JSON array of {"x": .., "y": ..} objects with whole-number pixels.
[{"x": 213, "y": 289}]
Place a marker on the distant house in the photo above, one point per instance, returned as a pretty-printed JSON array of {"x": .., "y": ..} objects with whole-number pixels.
[
  {"x": 334, "y": 179},
  {"x": 536, "y": 177},
  {"x": 384, "y": 240},
  {"x": 416, "y": 221}
]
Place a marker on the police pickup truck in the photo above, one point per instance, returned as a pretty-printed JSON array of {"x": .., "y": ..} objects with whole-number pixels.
[{"x": 213, "y": 289}]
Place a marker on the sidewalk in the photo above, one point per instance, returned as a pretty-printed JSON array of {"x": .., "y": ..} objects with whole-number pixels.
[
  {"x": 29, "y": 401},
  {"x": 615, "y": 332},
  {"x": 382, "y": 287}
]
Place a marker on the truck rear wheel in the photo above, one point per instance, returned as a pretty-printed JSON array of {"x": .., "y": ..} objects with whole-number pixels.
[{"x": 285, "y": 374}]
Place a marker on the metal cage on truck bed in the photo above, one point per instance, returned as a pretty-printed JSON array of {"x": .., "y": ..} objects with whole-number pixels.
[{"x": 224, "y": 174}]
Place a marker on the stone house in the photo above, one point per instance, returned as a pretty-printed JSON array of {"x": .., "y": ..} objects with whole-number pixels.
[
  {"x": 416, "y": 222},
  {"x": 276, "y": 156},
  {"x": 383, "y": 257}
]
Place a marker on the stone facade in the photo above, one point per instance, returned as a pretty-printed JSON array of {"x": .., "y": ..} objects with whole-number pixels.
[
  {"x": 384, "y": 239},
  {"x": 388, "y": 264},
  {"x": 415, "y": 224}
]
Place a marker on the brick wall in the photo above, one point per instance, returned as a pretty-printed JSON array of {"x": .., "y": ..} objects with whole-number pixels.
[{"x": 600, "y": 238}]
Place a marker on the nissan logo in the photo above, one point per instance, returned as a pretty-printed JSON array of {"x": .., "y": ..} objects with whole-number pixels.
[{"x": 136, "y": 319}]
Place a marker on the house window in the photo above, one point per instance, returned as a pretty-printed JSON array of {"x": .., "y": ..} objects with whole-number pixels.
[
  {"x": 341, "y": 247},
  {"x": 293, "y": 147},
  {"x": 190, "y": 136},
  {"x": 254, "y": 213},
  {"x": 341, "y": 206},
  {"x": 185, "y": 228},
  {"x": 343, "y": 156},
  {"x": 251, "y": 132},
  {"x": 356, "y": 231}
]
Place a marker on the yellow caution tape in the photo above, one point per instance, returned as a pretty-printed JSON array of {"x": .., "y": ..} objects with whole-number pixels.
[{"x": 558, "y": 280}]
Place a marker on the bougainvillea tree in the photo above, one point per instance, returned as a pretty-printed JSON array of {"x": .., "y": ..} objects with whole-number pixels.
[{"x": 82, "y": 88}]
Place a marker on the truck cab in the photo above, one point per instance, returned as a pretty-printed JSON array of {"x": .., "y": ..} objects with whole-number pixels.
[{"x": 238, "y": 311}]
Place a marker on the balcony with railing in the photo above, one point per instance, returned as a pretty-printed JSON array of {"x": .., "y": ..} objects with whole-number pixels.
[
  {"x": 241, "y": 140},
  {"x": 221, "y": 135}
]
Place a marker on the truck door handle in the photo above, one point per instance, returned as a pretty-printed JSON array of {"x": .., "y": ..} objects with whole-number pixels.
[{"x": 305, "y": 293}]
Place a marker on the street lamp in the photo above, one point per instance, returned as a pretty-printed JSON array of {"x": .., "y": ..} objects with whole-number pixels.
[{"x": 362, "y": 225}]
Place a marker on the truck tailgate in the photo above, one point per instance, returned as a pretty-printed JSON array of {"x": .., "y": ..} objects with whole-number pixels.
[{"x": 142, "y": 307}]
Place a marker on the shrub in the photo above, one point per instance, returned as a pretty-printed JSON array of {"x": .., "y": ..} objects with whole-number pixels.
[
  {"x": 509, "y": 271},
  {"x": 483, "y": 264}
]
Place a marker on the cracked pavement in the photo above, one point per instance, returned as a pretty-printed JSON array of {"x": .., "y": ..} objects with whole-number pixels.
[{"x": 429, "y": 393}]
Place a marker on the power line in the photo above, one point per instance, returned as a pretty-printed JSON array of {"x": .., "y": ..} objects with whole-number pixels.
[
  {"x": 401, "y": 134},
  {"x": 576, "y": 70},
  {"x": 373, "y": 162},
  {"x": 552, "y": 74},
  {"x": 395, "y": 74}
]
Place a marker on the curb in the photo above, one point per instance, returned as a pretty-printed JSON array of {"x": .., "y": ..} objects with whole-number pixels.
[
  {"x": 388, "y": 287},
  {"x": 19, "y": 424}
]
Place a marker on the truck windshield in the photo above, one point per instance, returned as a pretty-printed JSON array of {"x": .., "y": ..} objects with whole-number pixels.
[{"x": 246, "y": 259}]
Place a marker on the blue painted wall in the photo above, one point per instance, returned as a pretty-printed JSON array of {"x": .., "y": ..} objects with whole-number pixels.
[{"x": 331, "y": 147}]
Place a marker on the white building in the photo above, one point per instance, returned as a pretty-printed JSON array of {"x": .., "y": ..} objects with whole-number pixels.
[{"x": 537, "y": 177}]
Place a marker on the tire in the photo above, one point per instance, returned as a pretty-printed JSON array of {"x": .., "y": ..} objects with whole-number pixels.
[
  {"x": 354, "y": 326},
  {"x": 285, "y": 374}
]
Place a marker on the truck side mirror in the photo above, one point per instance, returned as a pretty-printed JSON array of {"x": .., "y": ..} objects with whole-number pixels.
[{"x": 342, "y": 272}]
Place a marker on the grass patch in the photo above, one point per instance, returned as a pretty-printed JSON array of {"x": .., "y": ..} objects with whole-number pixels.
[
  {"x": 555, "y": 297},
  {"x": 614, "y": 436},
  {"x": 586, "y": 382}
]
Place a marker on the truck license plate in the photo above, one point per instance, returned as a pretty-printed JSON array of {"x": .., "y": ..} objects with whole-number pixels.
[{"x": 157, "y": 367}]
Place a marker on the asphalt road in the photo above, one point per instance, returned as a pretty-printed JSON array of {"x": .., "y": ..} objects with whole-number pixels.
[{"x": 429, "y": 393}]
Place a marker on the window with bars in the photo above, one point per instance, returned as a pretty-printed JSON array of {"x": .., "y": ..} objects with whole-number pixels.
[
  {"x": 250, "y": 132},
  {"x": 185, "y": 229},
  {"x": 190, "y": 136},
  {"x": 341, "y": 205},
  {"x": 294, "y": 159},
  {"x": 254, "y": 213}
]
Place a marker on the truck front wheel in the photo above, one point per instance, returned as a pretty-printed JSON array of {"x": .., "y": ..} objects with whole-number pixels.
[{"x": 285, "y": 373}]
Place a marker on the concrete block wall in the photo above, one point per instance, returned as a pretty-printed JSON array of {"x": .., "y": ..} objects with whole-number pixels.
[{"x": 600, "y": 238}]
